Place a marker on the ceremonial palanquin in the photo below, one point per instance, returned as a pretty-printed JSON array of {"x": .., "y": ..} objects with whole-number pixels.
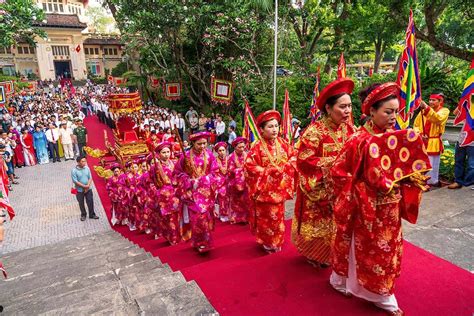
[
  {"x": 127, "y": 143},
  {"x": 377, "y": 181}
]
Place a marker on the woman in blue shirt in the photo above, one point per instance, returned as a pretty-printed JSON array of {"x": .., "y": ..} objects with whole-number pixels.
[{"x": 40, "y": 143}]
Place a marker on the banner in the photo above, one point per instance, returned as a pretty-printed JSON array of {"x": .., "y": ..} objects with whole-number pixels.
[
  {"x": 221, "y": 91},
  {"x": 9, "y": 87},
  {"x": 172, "y": 91},
  {"x": 465, "y": 109},
  {"x": 154, "y": 82},
  {"x": 3, "y": 96},
  {"x": 408, "y": 78},
  {"x": 124, "y": 102}
]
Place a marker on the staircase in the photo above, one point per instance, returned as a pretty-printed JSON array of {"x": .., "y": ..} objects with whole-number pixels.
[{"x": 96, "y": 274}]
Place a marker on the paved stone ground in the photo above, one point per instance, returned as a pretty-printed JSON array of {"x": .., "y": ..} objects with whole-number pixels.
[
  {"x": 46, "y": 211},
  {"x": 445, "y": 225}
]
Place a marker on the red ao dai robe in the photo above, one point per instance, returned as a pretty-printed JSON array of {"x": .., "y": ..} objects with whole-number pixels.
[
  {"x": 239, "y": 200},
  {"x": 168, "y": 203},
  {"x": 113, "y": 186},
  {"x": 368, "y": 213},
  {"x": 269, "y": 191},
  {"x": 220, "y": 178},
  {"x": 197, "y": 191},
  {"x": 313, "y": 227}
]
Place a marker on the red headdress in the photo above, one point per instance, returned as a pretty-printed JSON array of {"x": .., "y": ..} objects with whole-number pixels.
[
  {"x": 199, "y": 135},
  {"x": 219, "y": 145},
  {"x": 438, "y": 96},
  {"x": 239, "y": 140},
  {"x": 338, "y": 86},
  {"x": 379, "y": 93},
  {"x": 163, "y": 145},
  {"x": 267, "y": 116}
]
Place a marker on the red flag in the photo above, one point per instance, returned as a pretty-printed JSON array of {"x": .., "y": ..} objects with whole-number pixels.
[
  {"x": 341, "y": 67},
  {"x": 286, "y": 121},
  {"x": 315, "y": 113},
  {"x": 78, "y": 48},
  {"x": 408, "y": 77},
  {"x": 371, "y": 71},
  {"x": 465, "y": 109}
]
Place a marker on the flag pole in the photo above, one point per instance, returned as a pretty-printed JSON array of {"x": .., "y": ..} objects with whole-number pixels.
[{"x": 275, "y": 56}]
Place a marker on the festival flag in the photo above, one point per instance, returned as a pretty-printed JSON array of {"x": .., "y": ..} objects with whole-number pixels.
[
  {"x": 286, "y": 119},
  {"x": 341, "y": 67},
  {"x": 4, "y": 201},
  {"x": 465, "y": 109},
  {"x": 314, "y": 110},
  {"x": 408, "y": 78},
  {"x": 250, "y": 126}
]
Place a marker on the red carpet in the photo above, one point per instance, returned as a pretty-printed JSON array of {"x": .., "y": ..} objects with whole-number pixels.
[{"x": 240, "y": 279}]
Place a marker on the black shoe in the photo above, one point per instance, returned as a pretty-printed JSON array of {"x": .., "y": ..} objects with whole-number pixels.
[
  {"x": 94, "y": 217},
  {"x": 83, "y": 218}
]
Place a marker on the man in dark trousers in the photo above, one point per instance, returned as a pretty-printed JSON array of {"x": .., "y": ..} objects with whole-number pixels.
[
  {"x": 82, "y": 179},
  {"x": 81, "y": 134},
  {"x": 52, "y": 135}
]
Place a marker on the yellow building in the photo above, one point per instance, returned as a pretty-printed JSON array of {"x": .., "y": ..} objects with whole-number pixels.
[{"x": 68, "y": 50}]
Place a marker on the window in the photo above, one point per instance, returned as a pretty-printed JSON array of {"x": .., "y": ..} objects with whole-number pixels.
[
  {"x": 26, "y": 50},
  {"x": 91, "y": 50},
  {"x": 94, "y": 68},
  {"x": 60, "y": 50},
  {"x": 52, "y": 6},
  {"x": 5, "y": 50},
  {"x": 75, "y": 9},
  {"x": 110, "y": 51}
]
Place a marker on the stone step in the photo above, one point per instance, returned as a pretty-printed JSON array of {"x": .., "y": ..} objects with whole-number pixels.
[
  {"x": 186, "y": 299},
  {"x": 57, "y": 281},
  {"x": 86, "y": 256},
  {"x": 53, "y": 257},
  {"x": 84, "y": 301},
  {"x": 100, "y": 274},
  {"x": 153, "y": 284},
  {"x": 69, "y": 246}
]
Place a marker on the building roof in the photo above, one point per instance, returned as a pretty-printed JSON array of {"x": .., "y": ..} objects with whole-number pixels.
[
  {"x": 62, "y": 21},
  {"x": 103, "y": 41}
]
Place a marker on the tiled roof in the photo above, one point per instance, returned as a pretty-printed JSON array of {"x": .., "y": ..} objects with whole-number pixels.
[{"x": 63, "y": 21}]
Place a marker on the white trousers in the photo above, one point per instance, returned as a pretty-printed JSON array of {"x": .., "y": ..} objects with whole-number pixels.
[
  {"x": 351, "y": 285},
  {"x": 434, "y": 173},
  {"x": 68, "y": 151}
]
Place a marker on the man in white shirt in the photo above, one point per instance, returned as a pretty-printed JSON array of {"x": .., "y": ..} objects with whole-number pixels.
[
  {"x": 180, "y": 125},
  {"x": 220, "y": 129},
  {"x": 65, "y": 135},
  {"x": 52, "y": 135}
]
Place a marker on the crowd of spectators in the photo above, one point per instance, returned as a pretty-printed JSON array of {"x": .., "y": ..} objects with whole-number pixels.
[{"x": 45, "y": 126}]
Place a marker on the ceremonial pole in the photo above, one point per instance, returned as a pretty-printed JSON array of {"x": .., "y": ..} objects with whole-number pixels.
[{"x": 275, "y": 56}]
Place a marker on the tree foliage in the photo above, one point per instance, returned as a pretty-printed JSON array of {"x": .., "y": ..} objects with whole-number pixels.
[
  {"x": 17, "y": 22},
  {"x": 193, "y": 40}
]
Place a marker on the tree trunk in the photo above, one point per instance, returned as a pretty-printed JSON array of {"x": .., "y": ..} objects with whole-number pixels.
[{"x": 379, "y": 52}]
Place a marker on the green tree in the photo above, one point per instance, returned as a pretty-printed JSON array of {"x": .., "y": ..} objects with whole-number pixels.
[
  {"x": 100, "y": 20},
  {"x": 18, "y": 20}
]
